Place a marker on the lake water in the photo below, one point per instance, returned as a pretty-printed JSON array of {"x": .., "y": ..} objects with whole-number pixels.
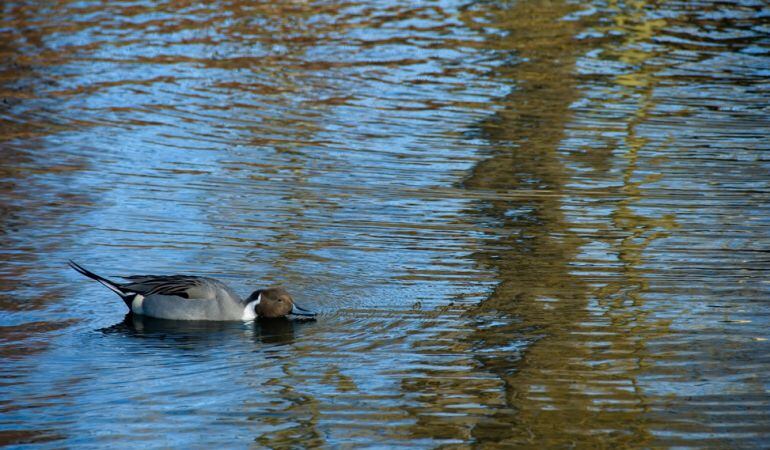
[{"x": 523, "y": 223}]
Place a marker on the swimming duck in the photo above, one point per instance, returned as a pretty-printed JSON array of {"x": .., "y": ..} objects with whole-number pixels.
[{"x": 185, "y": 297}]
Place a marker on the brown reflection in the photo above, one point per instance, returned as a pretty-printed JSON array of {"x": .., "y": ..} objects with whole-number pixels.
[
  {"x": 23, "y": 437},
  {"x": 548, "y": 389},
  {"x": 22, "y": 341},
  {"x": 295, "y": 418},
  {"x": 34, "y": 198},
  {"x": 579, "y": 382},
  {"x": 23, "y": 59},
  {"x": 567, "y": 361},
  {"x": 530, "y": 400},
  {"x": 35, "y": 206}
]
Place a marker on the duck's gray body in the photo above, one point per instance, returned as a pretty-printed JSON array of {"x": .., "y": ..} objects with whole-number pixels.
[
  {"x": 178, "y": 297},
  {"x": 183, "y": 297}
]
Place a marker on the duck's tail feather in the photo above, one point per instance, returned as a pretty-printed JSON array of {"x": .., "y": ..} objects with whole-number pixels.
[{"x": 127, "y": 296}]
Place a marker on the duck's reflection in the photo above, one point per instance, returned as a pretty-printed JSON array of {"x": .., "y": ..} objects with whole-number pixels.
[
  {"x": 266, "y": 331},
  {"x": 274, "y": 331}
]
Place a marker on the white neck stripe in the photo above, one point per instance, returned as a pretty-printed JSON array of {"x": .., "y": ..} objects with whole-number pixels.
[{"x": 250, "y": 311}]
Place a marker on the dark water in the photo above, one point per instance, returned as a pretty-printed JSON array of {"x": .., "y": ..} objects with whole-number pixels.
[{"x": 524, "y": 223}]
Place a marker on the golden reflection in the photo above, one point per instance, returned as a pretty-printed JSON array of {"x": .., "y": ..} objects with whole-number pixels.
[
  {"x": 580, "y": 353},
  {"x": 528, "y": 397},
  {"x": 295, "y": 418},
  {"x": 556, "y": 387}
]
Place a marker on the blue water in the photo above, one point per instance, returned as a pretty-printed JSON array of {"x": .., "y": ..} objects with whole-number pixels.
[{"x": 522, "y": 223}]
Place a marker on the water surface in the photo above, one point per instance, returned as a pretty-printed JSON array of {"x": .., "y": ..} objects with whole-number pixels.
[{"x": 523, "y": 222}]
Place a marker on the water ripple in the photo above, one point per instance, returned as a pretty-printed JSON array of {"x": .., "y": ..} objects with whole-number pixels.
[{"x": 523, "y": 224}]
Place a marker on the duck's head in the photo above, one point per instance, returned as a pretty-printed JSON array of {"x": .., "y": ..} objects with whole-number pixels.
[{"x": 275, "y": 302}]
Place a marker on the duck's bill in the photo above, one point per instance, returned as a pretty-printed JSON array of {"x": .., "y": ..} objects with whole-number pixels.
[{"x": 300, "y": 311}]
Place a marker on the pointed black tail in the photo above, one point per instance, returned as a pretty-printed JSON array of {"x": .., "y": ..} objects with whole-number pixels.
[{"x": 114, "y": 287}]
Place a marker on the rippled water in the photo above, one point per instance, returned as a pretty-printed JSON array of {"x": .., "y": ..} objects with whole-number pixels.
[{"x": 523, "y": 223}]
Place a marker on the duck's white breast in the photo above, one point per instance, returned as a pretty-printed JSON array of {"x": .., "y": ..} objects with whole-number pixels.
[{"x": 137, "y": 304}]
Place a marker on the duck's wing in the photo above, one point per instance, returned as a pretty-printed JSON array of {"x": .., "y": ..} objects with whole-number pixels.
[{"x": 184, "y": 286}]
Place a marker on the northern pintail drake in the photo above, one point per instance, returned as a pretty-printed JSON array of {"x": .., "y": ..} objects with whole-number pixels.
[{"x": 185, "y": 297}]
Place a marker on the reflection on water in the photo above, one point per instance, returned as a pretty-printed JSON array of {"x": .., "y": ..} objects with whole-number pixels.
[
  {"x": 178, "y": 332},
  {"x": 524, "y": 222}
]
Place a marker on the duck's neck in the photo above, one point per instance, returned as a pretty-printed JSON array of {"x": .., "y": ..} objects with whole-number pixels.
[{"x": 250, "y": 310}]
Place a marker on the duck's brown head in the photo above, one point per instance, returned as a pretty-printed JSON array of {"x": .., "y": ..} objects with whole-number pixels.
[{"x": 275, "y": 302}]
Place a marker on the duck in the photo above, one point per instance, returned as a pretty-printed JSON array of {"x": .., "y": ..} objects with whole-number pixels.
[{"x": 189, "y": 297}]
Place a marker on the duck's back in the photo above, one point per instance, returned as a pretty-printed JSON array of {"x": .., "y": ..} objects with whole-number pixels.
[{"x": 184, "y": 297}]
